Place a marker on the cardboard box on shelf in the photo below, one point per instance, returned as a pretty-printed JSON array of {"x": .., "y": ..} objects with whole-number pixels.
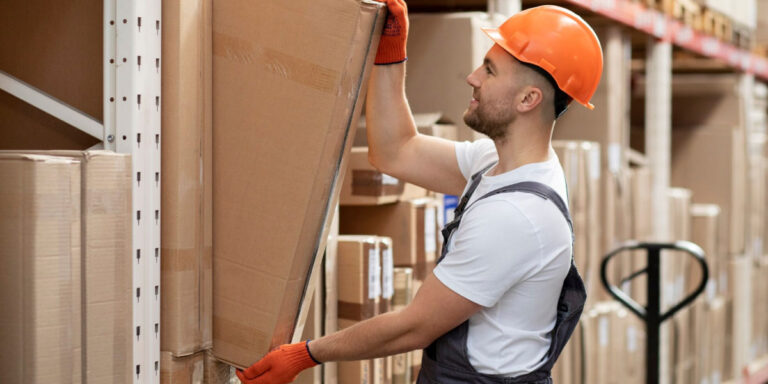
[
  {"x": 359, "y": 277},
  {"x": 274, "y": 194},
  {"x": 642, "y": 229},
  {"x": 718, "y": 179},
  {"x": 741, "y": 314},
  {"x": 719, "y": 329},
  {"x": 182, "y": 370},
  {"x": 412, "y": 226},
  {"x": 432, "y": 124},
  {"x": 705, "y": 232},
  {"x": 608, "y": 125},
  {"x": 102, "y": 287},
  {"x": 186, "y": 194},
  {"x": 366, "y": 185},
  {"x": 675, "y": 263},
  {"x": 581, "y": 164},
  {"x": 755, "y": 236},
  {"x": 403, "y": 286},
  {"x": 614, "y": 344},
  {"x": 38, "y": 54},
  {"x": 443, "y": 50},
  {"x": 40, "y": 230}
]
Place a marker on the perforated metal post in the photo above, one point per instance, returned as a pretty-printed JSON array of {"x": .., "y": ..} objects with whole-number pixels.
[{"x": 132, "y": 111}]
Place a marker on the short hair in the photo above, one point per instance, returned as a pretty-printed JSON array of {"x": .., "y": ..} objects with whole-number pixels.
[{"x": 562, "y": 100}]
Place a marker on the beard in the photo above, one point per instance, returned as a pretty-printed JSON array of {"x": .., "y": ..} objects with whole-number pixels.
[{"x": 492, "y": 122}]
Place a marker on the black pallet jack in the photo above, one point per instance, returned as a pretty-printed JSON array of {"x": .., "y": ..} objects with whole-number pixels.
[{"x": 651, "y": 314}]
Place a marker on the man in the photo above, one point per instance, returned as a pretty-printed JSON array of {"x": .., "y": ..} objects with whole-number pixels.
[{"x": 505, "y": 295}]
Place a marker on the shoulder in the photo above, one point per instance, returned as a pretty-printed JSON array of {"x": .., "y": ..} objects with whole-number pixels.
[{"x": 474, "y": 156}]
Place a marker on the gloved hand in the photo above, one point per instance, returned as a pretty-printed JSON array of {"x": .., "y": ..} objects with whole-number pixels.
[
  {"x": 279, "y": 366},
  {"x": 393, "y": 38}
]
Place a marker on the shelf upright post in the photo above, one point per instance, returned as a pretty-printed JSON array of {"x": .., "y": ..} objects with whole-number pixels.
[
  {"x": 505, "y": 8},
  {"x": 658, "y": 144},
  {"x": 132, "y": 125}
]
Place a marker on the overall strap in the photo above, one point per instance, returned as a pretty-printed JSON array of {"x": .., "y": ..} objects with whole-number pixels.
[
  {"x": 542, "y": 190},
  {"x": 475, "y": 181}
]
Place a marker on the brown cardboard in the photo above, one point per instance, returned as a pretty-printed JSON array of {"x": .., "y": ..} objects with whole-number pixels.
[
  {"x": 38, "y": 199},
  {"x": 741, "y": 315},
  {"x": 359, "y": 277},
  {"x": 287, "y": 83},
  {"x": 581, "y": 164},
  {"x": 64, "y": 60},
  {"x": 366, "y": 185},
  {"x": 717, "y": 179},
  {"x": 412, "y": 226},
  {"x": 104, "y": 297},
  {"x": 432, "y": 124},
  {"x": 642, "y": 227},
  {"x": 705, "y": 232},
  {"x": 182, "y": 370},
  {"x": 674, "y": 264},
  {"x": 756, "y": 212},
  {"x": 403, "y": 284},
  {"x": 443, "y": 49},
  {"x": 186, "y": 194},
  {"x": 697, "y": 99}
]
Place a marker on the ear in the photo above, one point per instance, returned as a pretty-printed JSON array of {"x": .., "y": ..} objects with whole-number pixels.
[{"x": 531, "y": 98}]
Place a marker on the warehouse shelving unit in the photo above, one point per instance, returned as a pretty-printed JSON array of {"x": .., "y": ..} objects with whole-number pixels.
[{"x": 131, "y": 105}]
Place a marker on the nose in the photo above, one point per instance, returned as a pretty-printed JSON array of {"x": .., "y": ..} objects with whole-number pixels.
[{"x": 473, "y": 79}]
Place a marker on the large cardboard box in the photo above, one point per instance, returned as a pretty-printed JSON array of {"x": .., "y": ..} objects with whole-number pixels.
[
  {"x": 40, "y": 205},
  {"x": 186, "y": 228},
  {"x": 182, "y": 370},
  {"x": 285, "y": 103},
  {"x": 102, "y": 286},
  {"x": 412, "y": 226},
  {"x": 65, "y": 60},
  {"x": 443, "y": 49},
  {"x": 366, "y": 185},
  {"x": 717, "y": 179},
  {"x": 313, "y": 329}
]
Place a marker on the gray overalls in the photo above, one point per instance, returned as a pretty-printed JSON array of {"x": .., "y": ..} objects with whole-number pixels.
[{"x": 445, "y": 361}]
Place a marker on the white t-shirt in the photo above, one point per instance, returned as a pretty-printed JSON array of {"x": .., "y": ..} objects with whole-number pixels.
[{"x": 510, "y": 254}]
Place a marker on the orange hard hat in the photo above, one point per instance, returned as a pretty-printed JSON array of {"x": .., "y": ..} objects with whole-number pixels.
[{"x": 559, "y": 42}]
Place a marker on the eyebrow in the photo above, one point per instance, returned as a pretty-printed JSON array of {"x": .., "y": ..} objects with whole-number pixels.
[{"x": 489, "y": 63}]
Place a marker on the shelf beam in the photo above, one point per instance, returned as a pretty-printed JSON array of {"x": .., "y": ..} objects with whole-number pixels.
[{"x": 51, "y": 105}]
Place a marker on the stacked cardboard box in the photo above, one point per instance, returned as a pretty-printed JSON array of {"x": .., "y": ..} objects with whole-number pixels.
[
  {"x": 581, "y": 164},
  {"x": 614, "y": 345},
  {"x": 67, "y": 293},
  {"x": 412, "y": 225},
  {"x": 186, "y": 194},
  {"x": 607, "y": 125},
  {"x": 276, "y": 79},
  {"x": 366, "y": 185},
  {"x": 403, "y": 285}
]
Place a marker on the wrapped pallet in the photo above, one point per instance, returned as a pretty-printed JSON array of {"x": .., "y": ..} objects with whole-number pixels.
[{"x": 287, "y": 93}]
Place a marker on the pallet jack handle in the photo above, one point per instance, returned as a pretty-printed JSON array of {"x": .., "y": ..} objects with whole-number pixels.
[{"x": 652, "y": 314}]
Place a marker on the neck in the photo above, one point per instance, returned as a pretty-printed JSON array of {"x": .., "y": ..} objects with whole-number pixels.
[{"x": 526, "y": 142}]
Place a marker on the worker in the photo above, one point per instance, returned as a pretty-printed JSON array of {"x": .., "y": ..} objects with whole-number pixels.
[{"x": 505, "y": 295}]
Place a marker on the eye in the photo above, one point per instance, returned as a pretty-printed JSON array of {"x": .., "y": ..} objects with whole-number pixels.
[{"x": 488, "y": 70}]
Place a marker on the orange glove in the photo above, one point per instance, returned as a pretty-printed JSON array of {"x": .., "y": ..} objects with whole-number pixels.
[
  {"x": 393, "y": 38},
  {"x": 279, "y": 366}
]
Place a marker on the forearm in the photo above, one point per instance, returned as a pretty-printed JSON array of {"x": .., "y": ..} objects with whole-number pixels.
[
  {"x": 388, "y": 117},
  {"x": 383, "y": 335}
]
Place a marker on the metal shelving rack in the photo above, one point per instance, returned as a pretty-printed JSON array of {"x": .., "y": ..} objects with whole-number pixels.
[{"x": 132, "y": 60}]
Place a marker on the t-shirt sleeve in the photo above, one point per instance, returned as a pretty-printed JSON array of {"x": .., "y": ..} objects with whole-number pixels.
[
  {"x": 496, "y": 248},
  {"x": 473, "y": 156}
]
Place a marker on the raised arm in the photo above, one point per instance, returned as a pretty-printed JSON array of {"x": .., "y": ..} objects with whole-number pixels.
[{"x": 395, "y": 147}]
